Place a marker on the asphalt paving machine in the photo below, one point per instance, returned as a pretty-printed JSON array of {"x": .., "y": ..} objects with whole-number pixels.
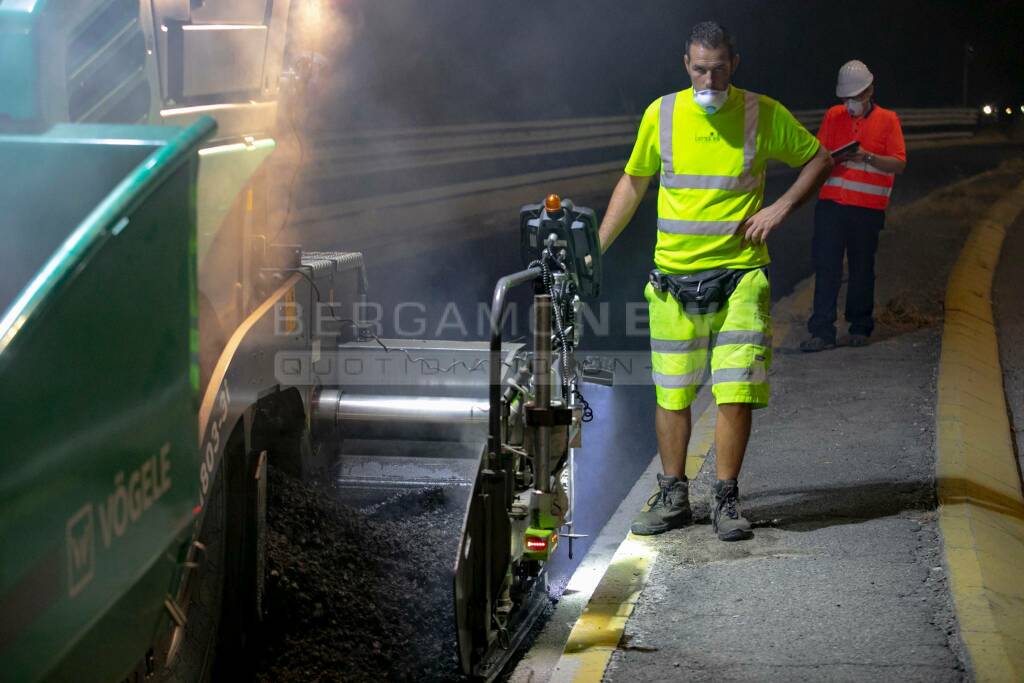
[{"x": 159, "y": 347}]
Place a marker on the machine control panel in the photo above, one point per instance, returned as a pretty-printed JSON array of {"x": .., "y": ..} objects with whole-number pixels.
[{"x": 575, "y": 242}]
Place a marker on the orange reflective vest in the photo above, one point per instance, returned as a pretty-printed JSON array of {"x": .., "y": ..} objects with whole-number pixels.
[{"x": 859, "y": 183}]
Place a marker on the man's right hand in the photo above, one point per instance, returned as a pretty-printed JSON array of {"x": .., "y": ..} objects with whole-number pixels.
[
  {"x": 855, "y": 154},
  {"x": 626, "y": 197},
  {"x": 860, "y": 156}
]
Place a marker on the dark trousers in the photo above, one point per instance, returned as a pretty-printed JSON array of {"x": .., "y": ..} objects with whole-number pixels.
[{"x": 852, "y": 230}]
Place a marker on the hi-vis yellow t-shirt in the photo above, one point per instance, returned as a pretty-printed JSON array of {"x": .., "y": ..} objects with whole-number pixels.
[{"x": 696, "y": 219}]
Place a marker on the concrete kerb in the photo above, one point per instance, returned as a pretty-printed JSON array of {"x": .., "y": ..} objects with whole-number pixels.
[{"x": 981, "y": 506}]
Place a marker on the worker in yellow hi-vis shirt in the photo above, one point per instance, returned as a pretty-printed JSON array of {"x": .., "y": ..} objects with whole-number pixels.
[{"x": 708, "y": 293}]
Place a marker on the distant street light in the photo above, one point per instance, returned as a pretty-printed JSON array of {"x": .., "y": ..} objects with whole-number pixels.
[
  {"x": 987, "y": 110},
  {"x": 1008, "y": 111}
]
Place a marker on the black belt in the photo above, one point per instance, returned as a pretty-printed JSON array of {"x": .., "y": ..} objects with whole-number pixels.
[{"x": 703, "y": 292}]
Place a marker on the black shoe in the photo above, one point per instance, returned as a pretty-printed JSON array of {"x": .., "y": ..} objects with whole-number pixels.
[
  {"x": 816, "y": 344},
  {"x": 669, "y": 508},
  {"x": 858, "y": 340},
  {"x": 725, "y": 517}
]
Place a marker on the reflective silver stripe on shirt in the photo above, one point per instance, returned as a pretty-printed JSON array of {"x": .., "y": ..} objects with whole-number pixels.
[
  {"x": 741, "y": 183},
  {"x": 680, "y": 227},
  {"x": 744, "y": 182},
  {"x": 750, "y": 116},
  {"x": 743, "y": 337},
  {"x": 672, "y": 346},
  {"x": 866, "y": 188},
  {"x": 755, "y": 375},
  {"x": 668, "y": 107},
  {"x": 866, "y": 167},
  {"x": 690, "y": 379}
]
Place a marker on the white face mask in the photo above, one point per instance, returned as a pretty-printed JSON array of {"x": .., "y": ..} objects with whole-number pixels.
[
  {"x": 710, "y": 100},
  {"x": 855, "y": 107}
]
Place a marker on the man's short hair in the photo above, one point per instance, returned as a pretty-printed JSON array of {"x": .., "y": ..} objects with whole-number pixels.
[{"x": 711, "y": 35}]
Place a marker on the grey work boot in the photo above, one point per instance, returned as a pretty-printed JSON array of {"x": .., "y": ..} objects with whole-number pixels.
[
  {"x": 725, "y": 517},
  {"x": 669, "y": 508},
  {"x": 814, "y": 344}
]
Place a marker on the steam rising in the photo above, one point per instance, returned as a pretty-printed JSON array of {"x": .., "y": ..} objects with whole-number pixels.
[{"x": 365, "y": 72}]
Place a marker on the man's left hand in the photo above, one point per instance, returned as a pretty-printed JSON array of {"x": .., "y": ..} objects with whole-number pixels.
[{"x": 756, "y": 228}]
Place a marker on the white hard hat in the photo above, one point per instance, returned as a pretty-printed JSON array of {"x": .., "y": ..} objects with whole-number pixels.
[{"x": 854, "y": 78}]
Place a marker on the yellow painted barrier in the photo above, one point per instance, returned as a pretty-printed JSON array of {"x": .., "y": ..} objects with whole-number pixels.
[
  {"x": 599, "y": 629},
  {"x": 981, "y": 508}
]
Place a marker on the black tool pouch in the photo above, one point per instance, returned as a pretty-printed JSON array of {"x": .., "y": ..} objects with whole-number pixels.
[{"x": 701, "y": 293}]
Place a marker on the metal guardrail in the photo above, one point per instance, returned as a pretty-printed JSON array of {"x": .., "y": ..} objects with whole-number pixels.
[
  {"x": 467, "y": 135},
  {"x": 578, "y": 156}
]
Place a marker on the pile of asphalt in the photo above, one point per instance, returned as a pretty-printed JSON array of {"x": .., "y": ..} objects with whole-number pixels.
[{"x": 358, "y": 595}]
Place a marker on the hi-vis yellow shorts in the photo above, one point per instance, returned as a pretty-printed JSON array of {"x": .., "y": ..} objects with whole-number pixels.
[{"x": 738, "y": 337}]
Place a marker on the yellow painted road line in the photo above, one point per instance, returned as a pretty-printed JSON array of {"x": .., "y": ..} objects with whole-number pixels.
[
  {"x": 702, "y": 438},
  {"x": 599, "y": 629},
  {"x": 981, "y": 508}
]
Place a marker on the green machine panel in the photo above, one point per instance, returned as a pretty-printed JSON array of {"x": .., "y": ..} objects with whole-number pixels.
[{"x": 98, "y": 395}]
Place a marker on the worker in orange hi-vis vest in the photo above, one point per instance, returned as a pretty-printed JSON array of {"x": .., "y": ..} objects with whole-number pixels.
[{"x": 867, "y": 145}]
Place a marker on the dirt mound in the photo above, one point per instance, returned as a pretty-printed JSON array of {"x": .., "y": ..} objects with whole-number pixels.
[
  {"x": 358, "y": 595},
  {"x": 899, "y": 315}
]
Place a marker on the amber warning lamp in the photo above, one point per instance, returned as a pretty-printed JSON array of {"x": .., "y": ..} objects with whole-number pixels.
[{"x": 553, "y": 203}]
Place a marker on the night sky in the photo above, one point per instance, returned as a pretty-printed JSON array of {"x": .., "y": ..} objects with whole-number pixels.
[{"x": 428, "y": 62}]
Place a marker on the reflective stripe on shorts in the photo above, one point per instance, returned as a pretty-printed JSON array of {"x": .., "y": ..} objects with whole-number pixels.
[
  {"x": 684, "y": 346},
  {"x": 742, "y": 337},
  {"x": 689, "y": 379}
]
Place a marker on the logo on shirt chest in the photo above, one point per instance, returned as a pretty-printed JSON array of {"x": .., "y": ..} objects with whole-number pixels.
[{"x": 710, "y": 137}]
